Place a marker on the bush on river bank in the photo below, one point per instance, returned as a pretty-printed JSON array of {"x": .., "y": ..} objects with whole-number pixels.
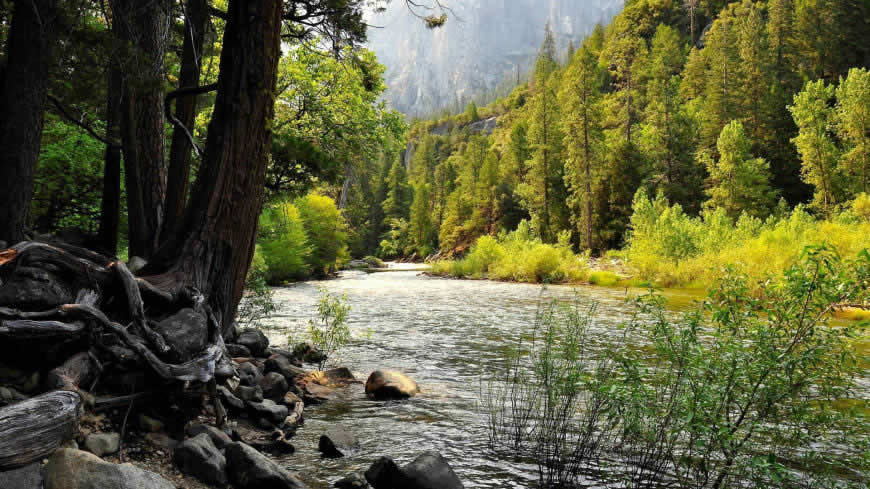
[{"x": 730, "y": 394}]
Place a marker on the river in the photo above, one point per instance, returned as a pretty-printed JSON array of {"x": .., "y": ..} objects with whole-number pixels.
[{"x": 443, "y": 333}]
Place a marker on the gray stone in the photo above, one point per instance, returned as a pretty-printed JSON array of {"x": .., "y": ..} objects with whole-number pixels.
[
  {"x": 75, "y": 469},
  {"x": 247, "y": 393},
  {"x": 218, "y": 437},
  {"x": 229, "y": 399},
  {"x": 185, "y": 332},
  {"x": 337, "y": 442},
  {"x": 274, "y": 386},
  {"x": 101, "y": 444},
  {"x": 268, "y": 411},
  {"x": 238, "y": 351},
  {"x": 385, "y": 474},
  {"x": 431, "y": 471},
  {"x": 390, "y": 384},
  {"x": 198, "y": 457},
  {"x": 249, "y": 469},
  {"x": 282, "y": 365},
  {"x": 254, "y": 340},
  {"x": 353, "y": 481},
  {"x": 27, "y": 477},
  {"x": 249, "y": 374},
  {"x": 161, "y": 440}
]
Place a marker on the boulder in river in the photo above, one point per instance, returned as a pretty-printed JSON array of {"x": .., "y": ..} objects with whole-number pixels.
[
  {"x": 75, "y": 469},
  {"x": 269, "y": 411},
  {"x": 200, "y": 458},
  {"x": 254, "y": 340},
  {"x": 390, "y": 384},
  {"x": 337, "y": 442},
  {"x": 282, "y": 365},
  {"x": 247, "y": 393},
  {"x": 428, "y": 471},
  {"x": 250, "y": 469}
]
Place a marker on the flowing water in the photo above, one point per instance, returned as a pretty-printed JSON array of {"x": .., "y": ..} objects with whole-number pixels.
[{"x": 443, "y": 333}]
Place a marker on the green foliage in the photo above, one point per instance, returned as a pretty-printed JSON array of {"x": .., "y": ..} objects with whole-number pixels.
[
  {"x": 471, "y": 112},
  {"x": 326, "y": 231},
  {"x": 284, "y": 246},
  {"x": 670, "y": 248},
  {"x": 330, "y": 332}
]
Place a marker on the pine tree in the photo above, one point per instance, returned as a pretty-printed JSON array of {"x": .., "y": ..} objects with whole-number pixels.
[
  {"x": 721, "y": 91},
  {"x": 546, "y": 62},
  {"x": 421, "y": 229},
  {"x": 583, "y": 137},
  {"x": 398, "y": 195},
  {"x": 819, "y": 154},
  {"x": 853, "y": 127},
  {"x": 738, "y": 182}
]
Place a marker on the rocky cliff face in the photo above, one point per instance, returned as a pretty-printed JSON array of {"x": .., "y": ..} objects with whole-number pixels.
[{"x": 484, "y": 44}]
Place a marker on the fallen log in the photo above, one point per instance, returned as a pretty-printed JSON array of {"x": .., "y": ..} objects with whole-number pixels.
[{"x": 31, "y": 430}]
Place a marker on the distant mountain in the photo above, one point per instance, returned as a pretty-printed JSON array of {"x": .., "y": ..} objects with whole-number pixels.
[{"x": 484, "y": 44}]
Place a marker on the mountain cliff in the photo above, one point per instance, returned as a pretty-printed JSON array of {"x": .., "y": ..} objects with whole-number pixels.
[{"x": 484, "y": 44}]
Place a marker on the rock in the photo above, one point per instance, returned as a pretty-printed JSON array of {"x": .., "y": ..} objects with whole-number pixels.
[
  {"x": 353, "y": 481},
  {"x": 75, "y": 469},
  {"x": 185, "y": 332},
  {"x": 149, "y": 424},
  {"x": 37, "y": 291},
  {"x": 254, "y": 340},
  {"x": 269, "y": 411},
  {"x": 161, "y": 440},
  {"x": 27, "y": 477},
  {"x": 238, "y": 351},
  {"x": 340, "y": 375},
  {"x": 249, "y": 374},
  {"x": 8, "y": 395},
  {"x": 103, "y": 443},
  {"x": 279, "y": 446},
  {"x": 274, "y": 386},
  {"x": 431, "y": 471},
  {"x": 25, "y": 381},
  {"x": 247, "y": 393},
  {"x": 136, "y": 264},
  {"x": 390, "y": 384},
  {"x": 290, "y": 399},
  {"x": 199, "y": 458},
  {"x": 218, "y": 437},
  {"x": 385, "y": 474},
  {"x": 229, "y": 400},
  {"x": 281, "y": 364},
  {"x": 337, "y": 442},
  {"x": 249, "y": 469},
  {"x": 308, "y": 353}
]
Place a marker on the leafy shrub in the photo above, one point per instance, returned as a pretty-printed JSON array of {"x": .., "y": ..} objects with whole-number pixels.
[
  {"x": 374, "y": 261},
  {"x": 326, "y": 231},
  {"x": 330, "y": 331},
  {"x": 284, "y": 245}
]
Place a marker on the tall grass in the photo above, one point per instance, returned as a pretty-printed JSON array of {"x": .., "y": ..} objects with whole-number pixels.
[{"x": 669, "y": 248}]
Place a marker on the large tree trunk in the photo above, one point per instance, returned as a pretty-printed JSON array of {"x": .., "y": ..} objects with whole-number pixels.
[
  {"x": 110, "y": 209},
  {"x": 214, "y": 253},
  {"x": 22, "y": 100},
  {"x": 144, "y": 28},
  {"x": 196, "y": 17}
]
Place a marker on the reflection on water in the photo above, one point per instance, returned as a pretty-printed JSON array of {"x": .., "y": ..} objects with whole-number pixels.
[{"x": 443, "y": 333}]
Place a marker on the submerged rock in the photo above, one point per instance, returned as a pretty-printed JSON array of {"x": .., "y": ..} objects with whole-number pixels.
[
  {"x": 249, "y": 469},
  {"x": 428, "y": 471},
  {"x": 353, "y": 481},
  {"x": 75, "y": 469},
  {"x": 385, "y": 474},
  {"x": 390, "y": 384},
  {"x": 337, "y": 442},
  {"x": 268, "y": 411}
]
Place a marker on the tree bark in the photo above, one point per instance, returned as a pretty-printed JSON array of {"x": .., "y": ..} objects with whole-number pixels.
[
  {"x": 144, "y": 28},
  {"x": 110, "y": 208},
  {"x": 31, "y": 430},
  {"x": 214, "y": 253},
  {"x": 196, "y": 17},
  {"x": 23, "y": 89}
]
